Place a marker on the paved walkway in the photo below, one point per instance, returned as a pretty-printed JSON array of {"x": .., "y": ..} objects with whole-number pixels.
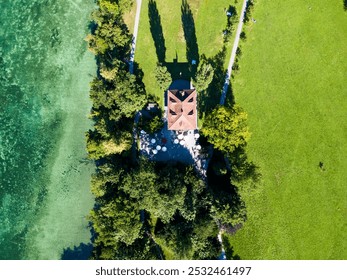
[
  {"x": 136, "y": 28},
  {"x": 233, "y": 54}
]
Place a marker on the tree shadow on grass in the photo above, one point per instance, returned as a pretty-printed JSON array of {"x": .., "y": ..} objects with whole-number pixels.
[
  {"x": 230, "y": 176},
  {"x": 231, "y": 21},
  {"x": 81, "y": 252},
  {"x": 224, "y": 194},
  {"x": 244, "y": 173},
  {"x": 190, "y": 35},
  {"x": 209, "y": 99},
  {"x": 229, "y": 250},
  {"x": 345, "y": 4},
  {"x": 156, "y": 30}
]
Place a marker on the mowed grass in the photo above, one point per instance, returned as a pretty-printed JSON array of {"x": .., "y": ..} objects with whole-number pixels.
[
  {"x": 292, "y": 82},
  {"x": 129, "y": 17},
  {"x": 210, "y": 19}
]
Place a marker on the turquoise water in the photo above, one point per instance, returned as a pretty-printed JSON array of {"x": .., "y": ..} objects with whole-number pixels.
[{"x": 44, "y": 174}]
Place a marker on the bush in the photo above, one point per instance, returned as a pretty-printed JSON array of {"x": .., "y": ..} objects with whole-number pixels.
[{"x": 163, "y": 76}]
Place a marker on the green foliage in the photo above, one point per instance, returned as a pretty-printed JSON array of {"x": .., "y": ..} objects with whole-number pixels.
[
  {"x": 249, "y": 11},
  {"x": 162, "y": 190},
  {"x": 117, "y": 220},
  {"x": 143, "y": 248},
  {"x": 176, "y": 236},
  {"x": 172, "y": 195},
  {"x": 244, "y": 173},
  {"x": 122, "y": 98},
  {"x": 111, "y": 32},
  {"x": 98, "y": 147},
  {"x": 227, "y": 207},
  {"x": 225, "y": 213},
  {"x": 231, "y": 21},
  {"x": 109, "y": 71},
  {"x": 229, "y": 250},
  {"x": 204, "y": 75},
  {"x": 204, "y": 240},
  {"x": 125, "y": 5},
  {"x": 153, "y": 125},
  {"x": 145, "y": 207},
  {"x": 156, "y": 124},
  {"x": 226, "y": 128},
  {"x": 108, "y": 176},
  {"x": 163, "y": 77}
]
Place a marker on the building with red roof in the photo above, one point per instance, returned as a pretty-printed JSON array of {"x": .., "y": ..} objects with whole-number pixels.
[{"x": 181, "y": 109}]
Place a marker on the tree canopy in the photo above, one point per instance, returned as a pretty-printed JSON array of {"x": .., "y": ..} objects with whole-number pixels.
[
  {"x": 204, "y": 75},
  {"x": 145, "y": 208},
  {"x": 163, "y": 76},
  {"x": 226, "y": 128}
]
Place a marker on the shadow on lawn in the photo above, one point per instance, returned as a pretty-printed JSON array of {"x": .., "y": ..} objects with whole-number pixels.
[
  {"x": 156, "y": 30},
  {"x": 190, "y": 35},
  {"x": 345, "y": 4},
  {"x": 229, "y": 176},
  {"x": 179, "y": 70},
  {"x": 209, "y": 98},
  {"x": 229, "y": 250}
]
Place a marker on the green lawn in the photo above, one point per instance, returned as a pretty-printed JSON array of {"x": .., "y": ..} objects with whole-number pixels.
[
  {"x": 293, "y": 84},
  {"x": 209, "y": 20},
  {"x": 129, "y": 17}
]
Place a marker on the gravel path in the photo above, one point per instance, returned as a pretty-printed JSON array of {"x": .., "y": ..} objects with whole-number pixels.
[
  {"x": 233, "y": 54},
  {"x": 136, "y": 28}
]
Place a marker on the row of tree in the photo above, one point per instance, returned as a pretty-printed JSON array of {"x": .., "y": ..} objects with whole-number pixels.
[{"x": 116, "y": 94}]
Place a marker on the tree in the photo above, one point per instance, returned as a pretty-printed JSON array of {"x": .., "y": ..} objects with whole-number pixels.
[
  {"x": 226, "y": 128},
  {"x": 128, "y": 97},
  {"x": 204, "y": 75},
  {"x": 204, "y": 240},
  {"x": 163, "y": 77},
  {"x": 111, "y": 32},
  {"x": 105, "y": 180},
  {"x": 155, "y": 124},
  {"x": 98, "y": 147},
  {"x": 109, "y": 71},
  {"x": 125, "y": 5},
  {"x": 160, "y": 191},
  {"x": 121, "y": 99},
  {"x": 118, "y": 220}
]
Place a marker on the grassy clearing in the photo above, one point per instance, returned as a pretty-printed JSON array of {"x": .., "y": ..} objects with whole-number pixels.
[
  {"x": 209, "y": 20},
  {"x": 292, "y": 83},
  {"x": 129, "y": 17}
]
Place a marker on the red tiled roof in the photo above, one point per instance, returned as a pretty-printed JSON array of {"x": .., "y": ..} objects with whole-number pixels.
[{"x": 181, "y": 113}]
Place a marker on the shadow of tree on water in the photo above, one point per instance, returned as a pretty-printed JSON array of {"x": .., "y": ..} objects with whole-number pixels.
[
  {"x": 80, "y": 252},
  {"x": 156, "y": 30},
  {"x": 190, "y": 35}
]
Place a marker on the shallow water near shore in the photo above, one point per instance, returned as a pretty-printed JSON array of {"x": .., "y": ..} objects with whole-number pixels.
[{"x": 44, "y": 171}]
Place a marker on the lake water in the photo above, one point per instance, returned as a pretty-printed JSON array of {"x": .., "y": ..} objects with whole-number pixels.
[{"x": 45, "y": 72}]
